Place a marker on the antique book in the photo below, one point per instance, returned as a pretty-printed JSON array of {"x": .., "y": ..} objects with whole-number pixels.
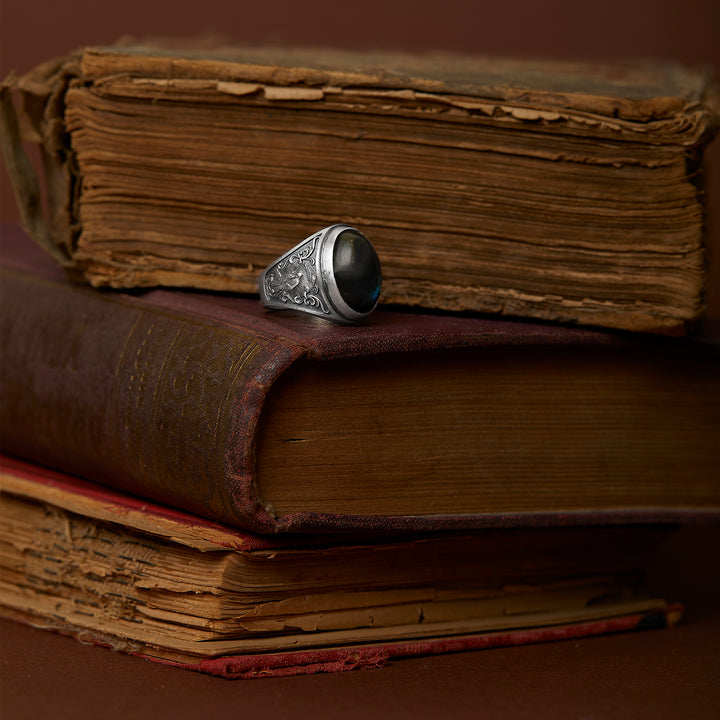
[
  {"x": 547, "y": 190},
  {"x": 278, "y": 421},
  {"x": 146, "y": 580}
]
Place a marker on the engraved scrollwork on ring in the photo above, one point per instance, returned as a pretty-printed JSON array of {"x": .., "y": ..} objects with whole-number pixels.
[{"x": 294, "y": 279}]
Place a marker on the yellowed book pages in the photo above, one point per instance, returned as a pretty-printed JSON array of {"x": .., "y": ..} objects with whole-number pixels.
[{"x": 550, "y": 190}]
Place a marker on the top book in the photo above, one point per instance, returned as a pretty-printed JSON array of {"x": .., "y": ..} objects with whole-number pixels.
[{"x": 546, "y": 190}]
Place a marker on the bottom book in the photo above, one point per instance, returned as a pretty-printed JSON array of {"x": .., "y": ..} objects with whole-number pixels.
[{"x": 147, "y": 580}]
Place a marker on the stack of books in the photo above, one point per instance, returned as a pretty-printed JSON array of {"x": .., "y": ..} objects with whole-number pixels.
[{"x": 194, "y": 479}]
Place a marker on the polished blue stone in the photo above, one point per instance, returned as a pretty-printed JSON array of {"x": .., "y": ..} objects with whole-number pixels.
[{"x": 356, "y": 267}]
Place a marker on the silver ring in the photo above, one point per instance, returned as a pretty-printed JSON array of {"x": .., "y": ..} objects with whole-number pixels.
[{"x": 334, "y": 273}]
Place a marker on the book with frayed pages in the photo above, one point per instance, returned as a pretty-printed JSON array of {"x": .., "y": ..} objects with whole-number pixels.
[
  {"x": 557, "y": 191},
  {"x": 154, "y": 582}
]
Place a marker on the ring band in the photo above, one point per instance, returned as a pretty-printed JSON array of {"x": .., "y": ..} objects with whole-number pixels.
[{"x": 334, "y": 273}]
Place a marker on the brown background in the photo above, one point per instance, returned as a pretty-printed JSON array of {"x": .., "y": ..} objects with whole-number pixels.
[
  {"x": 687, "y": 31},
  {"x": 653, "y": 675}
]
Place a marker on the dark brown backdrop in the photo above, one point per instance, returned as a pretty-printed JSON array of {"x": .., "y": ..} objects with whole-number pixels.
[{"x": 34, "y": 30}]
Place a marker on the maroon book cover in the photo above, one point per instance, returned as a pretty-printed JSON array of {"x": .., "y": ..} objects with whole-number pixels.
[
  {"x": 160, "y": 393},
  {"x": 373, "y": 656}
]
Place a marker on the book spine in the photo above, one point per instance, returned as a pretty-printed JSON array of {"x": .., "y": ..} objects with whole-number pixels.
[
  {"x": 144, "y": 398},
  {"x": 51, "y": 220}
]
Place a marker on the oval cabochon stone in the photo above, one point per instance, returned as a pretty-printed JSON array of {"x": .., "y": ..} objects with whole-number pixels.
[{"x": 356, "y": 267}]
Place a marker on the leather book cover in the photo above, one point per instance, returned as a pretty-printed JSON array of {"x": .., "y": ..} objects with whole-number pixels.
[{"x": 161, "y": 394}]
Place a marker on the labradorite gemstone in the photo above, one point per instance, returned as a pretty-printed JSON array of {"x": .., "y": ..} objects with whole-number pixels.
[{"x": 357, "y": 270}]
